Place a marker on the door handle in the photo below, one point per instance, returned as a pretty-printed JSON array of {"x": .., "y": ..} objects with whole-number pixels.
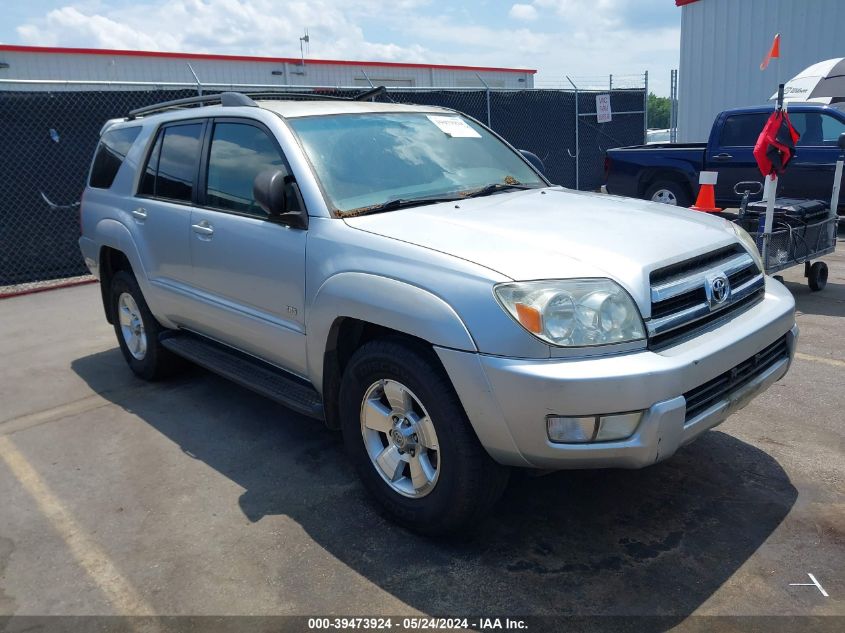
[
  {"x": 722, "y": 156},
  {"x": 203, "y": 228},
  {"x": 140, "y": 213}
]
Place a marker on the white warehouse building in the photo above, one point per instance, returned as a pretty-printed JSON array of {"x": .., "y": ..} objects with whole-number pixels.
[
  {"x": 723, "y": 43},
  {"x": 28, "y": 67}
]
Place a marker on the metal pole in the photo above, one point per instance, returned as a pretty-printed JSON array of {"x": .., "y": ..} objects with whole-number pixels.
[
  {"x": 837, "y": 181},
  {"x": 367, "y": 77},
  {"x": 771, "y": 194},
  {"x": 610, "y": 83},
  {"x": 487, "y": 89},
  {"x": 673, "y": 105},
  {"x": 199, "y": 84},
  {"x": 645, "y": 109},
  {"x": 577, "y": 146}
]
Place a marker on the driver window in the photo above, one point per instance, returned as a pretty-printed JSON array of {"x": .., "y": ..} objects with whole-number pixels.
[
  {"x": 816, "y": 129},
  {"x": 239, "y": 152}
]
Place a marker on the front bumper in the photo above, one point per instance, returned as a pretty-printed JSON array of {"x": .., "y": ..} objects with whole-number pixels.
[{"x": 507, "y": 400}]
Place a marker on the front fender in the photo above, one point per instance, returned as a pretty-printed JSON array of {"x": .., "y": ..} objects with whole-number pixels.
[{"x": 382, "y": 301}]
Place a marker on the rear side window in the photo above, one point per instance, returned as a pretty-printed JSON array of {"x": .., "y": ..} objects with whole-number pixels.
[
  {"x": 742, "y": 130},
  {"x": 113, "y": 147},
  {"x": 172, "y": 165}
]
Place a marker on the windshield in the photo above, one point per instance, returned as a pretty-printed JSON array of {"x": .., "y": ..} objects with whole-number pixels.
[{"x": 366, "y": 160}]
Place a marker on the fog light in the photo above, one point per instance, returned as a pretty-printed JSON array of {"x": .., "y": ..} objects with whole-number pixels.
[
  {"x": 593, "y": 428},
  {"x": 618, "y": 427},
  {"x": 571, "y": 430}
]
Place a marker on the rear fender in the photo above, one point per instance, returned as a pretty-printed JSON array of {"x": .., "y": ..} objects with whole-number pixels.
[{"x": 113, "y": 234}]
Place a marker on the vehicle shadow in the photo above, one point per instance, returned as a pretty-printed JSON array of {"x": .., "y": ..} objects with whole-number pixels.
[
  {"x": 827, "y": 302},
  {"x": 658, "y": 541}
]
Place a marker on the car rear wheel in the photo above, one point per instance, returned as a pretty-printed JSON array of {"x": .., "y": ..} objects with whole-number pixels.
[
  {"x": 138, "y": 331},
  {"x": 668, "y": 192},
  {"x": 409, "y": 438}
]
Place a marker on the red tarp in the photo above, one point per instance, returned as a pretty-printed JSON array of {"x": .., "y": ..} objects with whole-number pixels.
[{"x": 776, "y": 144}]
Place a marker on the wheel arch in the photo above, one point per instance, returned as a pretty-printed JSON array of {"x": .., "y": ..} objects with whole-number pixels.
[
  {"x": 351, "y": 309},
  {"x": 651, "y": 176},
  {"x": 117, "y": 251},
  {"x": 111, "y": 261}
]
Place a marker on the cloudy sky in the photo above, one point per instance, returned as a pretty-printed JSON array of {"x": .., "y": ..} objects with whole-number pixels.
[{"x": 581, "y": 38}]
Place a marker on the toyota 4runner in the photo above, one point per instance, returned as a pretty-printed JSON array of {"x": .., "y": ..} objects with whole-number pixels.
[{"x": 403, "y": 274}]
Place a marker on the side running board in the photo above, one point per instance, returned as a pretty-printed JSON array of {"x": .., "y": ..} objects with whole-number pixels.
[{"x": 249, "y": 372}]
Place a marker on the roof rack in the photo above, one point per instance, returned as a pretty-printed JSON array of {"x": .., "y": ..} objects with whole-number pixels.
[
  {"x": 235, "y": 99},
  {"x": 226, "y": 99},
  {"x": 372, "y": 93},
  {"x": 281, "y": 96}
]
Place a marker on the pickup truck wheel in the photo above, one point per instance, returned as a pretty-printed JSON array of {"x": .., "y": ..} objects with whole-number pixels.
[
  {"x": 137, "y": 330},
  {"x": 668, "y": 192},
  {"x": 409, "y": 438}
]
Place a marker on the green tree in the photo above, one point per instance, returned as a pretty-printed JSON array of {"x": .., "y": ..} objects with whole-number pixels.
[{"x": 658, "y": 111}]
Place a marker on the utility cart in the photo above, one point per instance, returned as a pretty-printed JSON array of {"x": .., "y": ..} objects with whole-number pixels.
[
  {"x": 801, "y": 231},
  {"x": 789, "y": 231}
]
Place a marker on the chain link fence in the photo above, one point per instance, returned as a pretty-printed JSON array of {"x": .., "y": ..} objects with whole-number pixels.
[{"x": 50, "y": 131}]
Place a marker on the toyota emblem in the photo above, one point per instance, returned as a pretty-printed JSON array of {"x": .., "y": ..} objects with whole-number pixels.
[{"x": 718, "y": 289}]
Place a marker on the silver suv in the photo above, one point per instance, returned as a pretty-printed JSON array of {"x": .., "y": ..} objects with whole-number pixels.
[{"x": 403, "y": 274}]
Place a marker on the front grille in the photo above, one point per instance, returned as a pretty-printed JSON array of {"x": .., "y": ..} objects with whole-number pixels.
[
  {"x": 662, "y": 275},
  {"x": 721, "y": 387},
  {"x": 680, "y": 293}
]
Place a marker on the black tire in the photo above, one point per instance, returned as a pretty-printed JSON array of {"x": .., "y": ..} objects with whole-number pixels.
[
  {"x": 682, "y": 197},
  {"x": 469, "y": 481},
  {"x": 817, "y": 279},
  {"x": 157, "y": 362}
]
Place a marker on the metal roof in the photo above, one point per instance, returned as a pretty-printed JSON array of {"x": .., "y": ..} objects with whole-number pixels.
[{"x": 246, "y": 58}]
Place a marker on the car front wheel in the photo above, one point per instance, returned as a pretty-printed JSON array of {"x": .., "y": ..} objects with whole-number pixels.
[{"x": 411, "y": 442}]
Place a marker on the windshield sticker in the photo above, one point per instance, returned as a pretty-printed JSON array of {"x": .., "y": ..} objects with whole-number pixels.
[{"x": 454, "y": 126}]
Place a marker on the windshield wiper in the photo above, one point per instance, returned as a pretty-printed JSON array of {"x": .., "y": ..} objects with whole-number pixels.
[
  {"x": 493, "y": 188},
  {"x": 399, "y": 203}
]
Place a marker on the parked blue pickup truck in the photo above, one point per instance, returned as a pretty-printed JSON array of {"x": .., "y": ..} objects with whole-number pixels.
[{"x": 669, "y": 172}]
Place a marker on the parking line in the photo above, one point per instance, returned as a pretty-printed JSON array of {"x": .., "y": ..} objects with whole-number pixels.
[
  {"x": 119, "y": 592},
  {"x": 834, "y": 362},
  {"x": 29, "y": 420},
  {"x": 83, "y": 405}
]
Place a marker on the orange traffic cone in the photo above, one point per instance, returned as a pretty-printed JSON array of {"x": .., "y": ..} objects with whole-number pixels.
[{"x": 706, "y": 200}]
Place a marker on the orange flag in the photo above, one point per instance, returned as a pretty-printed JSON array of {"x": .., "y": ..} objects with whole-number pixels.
[{"x": 774, "y": 51}]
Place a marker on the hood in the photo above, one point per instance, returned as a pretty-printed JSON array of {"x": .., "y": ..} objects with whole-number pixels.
[{"x": 557, "y": 233}]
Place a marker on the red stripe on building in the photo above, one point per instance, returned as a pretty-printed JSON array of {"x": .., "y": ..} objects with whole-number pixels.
[
  {"x": 245, "y": 58},
  {"x": 680, "y": 3}
]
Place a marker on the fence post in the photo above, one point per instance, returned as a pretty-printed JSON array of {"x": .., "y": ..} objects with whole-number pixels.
[
  {"x": 645, "y": 109},
  {"x": 673, "y": 113},
  {"x": 577, "y": 142},
  {"x": 610, "y": 83},
  {"x": 487, "y": 90}
]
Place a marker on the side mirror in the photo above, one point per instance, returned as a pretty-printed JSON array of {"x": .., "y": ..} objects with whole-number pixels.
[
  {"x": 842, "y": 141},
  {"x": 532, "y": 158},
  {"x": 273, "y": 190}
]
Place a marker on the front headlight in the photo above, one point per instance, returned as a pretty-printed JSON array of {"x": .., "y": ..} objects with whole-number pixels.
[
  {"x": 573, "y": 312},
  {"x": 749, "y": 244}
]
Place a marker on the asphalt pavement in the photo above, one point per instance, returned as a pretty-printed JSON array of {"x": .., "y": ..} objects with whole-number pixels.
[{"x": 195, "y": 497}]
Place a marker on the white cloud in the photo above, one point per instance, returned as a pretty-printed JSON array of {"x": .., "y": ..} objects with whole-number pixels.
[
  {"x": 568, "y": 37},
  {"x": 525, "y": 12},
  {"x": 256, "y": 27}
]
